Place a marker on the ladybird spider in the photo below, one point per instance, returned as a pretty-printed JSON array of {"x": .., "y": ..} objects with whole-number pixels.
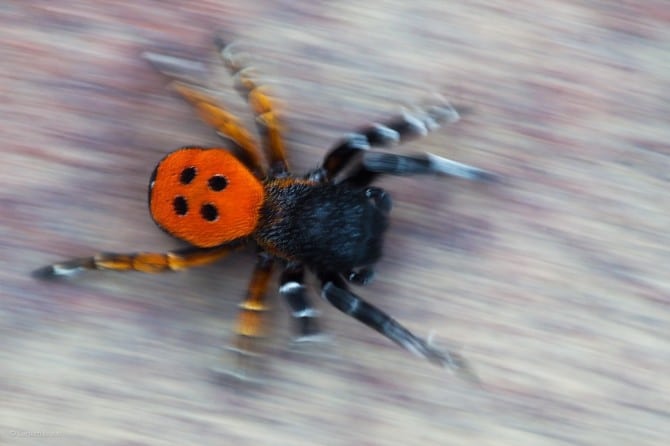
[{"x": 330, "y": 220}]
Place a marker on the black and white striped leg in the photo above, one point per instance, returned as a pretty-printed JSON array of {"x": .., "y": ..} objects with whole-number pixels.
[
  {"x": 363, "y": 276},
  {"x": 354, "y": 143},
  {"x": 415, "y": 123},
  {"x": 390, "y": 163},
  {"x": 373, "y": 163},
  {"x": 335, "y": 291},
  {"x": 380, "y": 198},
  {"x": 305, "y": 317}
]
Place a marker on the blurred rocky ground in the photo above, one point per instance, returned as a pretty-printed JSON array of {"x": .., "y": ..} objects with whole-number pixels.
[{"x": 553, "y": 282}]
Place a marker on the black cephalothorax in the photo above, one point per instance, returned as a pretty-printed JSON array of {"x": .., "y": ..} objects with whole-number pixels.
[{"x": 323, "y": 225}]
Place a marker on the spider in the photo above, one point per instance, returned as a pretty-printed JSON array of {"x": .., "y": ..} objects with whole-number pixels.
[{"x": 330, "y": 221}]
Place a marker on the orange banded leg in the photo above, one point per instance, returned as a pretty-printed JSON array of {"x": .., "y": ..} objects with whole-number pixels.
[
  {"x": 146, "y": 262},
  {"x": 261, "y": 105},
  {"x": 187, "y": 74},
  {"x": 250, "y": 329},
  {"x": 225, "y": 123}
]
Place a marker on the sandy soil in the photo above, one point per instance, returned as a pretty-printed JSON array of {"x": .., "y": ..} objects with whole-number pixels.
[{"x": 554, "y": 282}]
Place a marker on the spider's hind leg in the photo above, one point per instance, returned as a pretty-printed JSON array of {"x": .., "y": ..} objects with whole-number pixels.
[
  {"x": 260, "y": 103},
  {"x": 251, "y": 321},
  {"x": 146, "y": 262},
  {"x": 209, "y": 109}
]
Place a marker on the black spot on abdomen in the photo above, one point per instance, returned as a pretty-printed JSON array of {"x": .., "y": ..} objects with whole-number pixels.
[
  {"x": 180, "y": 205},
  {"x": 187, "y": 175},
  {"x": 209, "y": 212}
]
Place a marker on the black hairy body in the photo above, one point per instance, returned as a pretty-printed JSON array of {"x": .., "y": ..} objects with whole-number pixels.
[{"x": 326, "y": 226}]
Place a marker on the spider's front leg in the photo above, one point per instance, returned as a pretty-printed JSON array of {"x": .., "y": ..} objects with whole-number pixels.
[
  {"x": 362, "y": 276},
  {"x": 335, "y": 291},
  {"x": 409, "y": 124},
  {"x": 374, "y": 162},
  {"x": 292, "y": 289},
  {"x": 353, "y": 162},
  {"x": 146, "y": 262}
]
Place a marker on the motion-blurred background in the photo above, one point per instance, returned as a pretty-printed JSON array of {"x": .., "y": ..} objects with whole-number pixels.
[{"x": 553, "y": 283}]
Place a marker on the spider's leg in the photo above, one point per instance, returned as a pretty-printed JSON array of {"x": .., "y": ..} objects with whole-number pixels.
[
  {"x": 380, "y": 198},
  {"x": 260, "y": 103},
  {"x": 397, "y": 130},
  {"x": 292, "y": 289},
  {"x": 250, "y": 329},
  {"x": 362, "y": 276},
  {"x": 187, "y": 75},
  {"x": 146, "y": 262},
  {"x": 225, "y": 123},
  {"x": 373, "y": 163},
  {"x": 335, "y": 291}
]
